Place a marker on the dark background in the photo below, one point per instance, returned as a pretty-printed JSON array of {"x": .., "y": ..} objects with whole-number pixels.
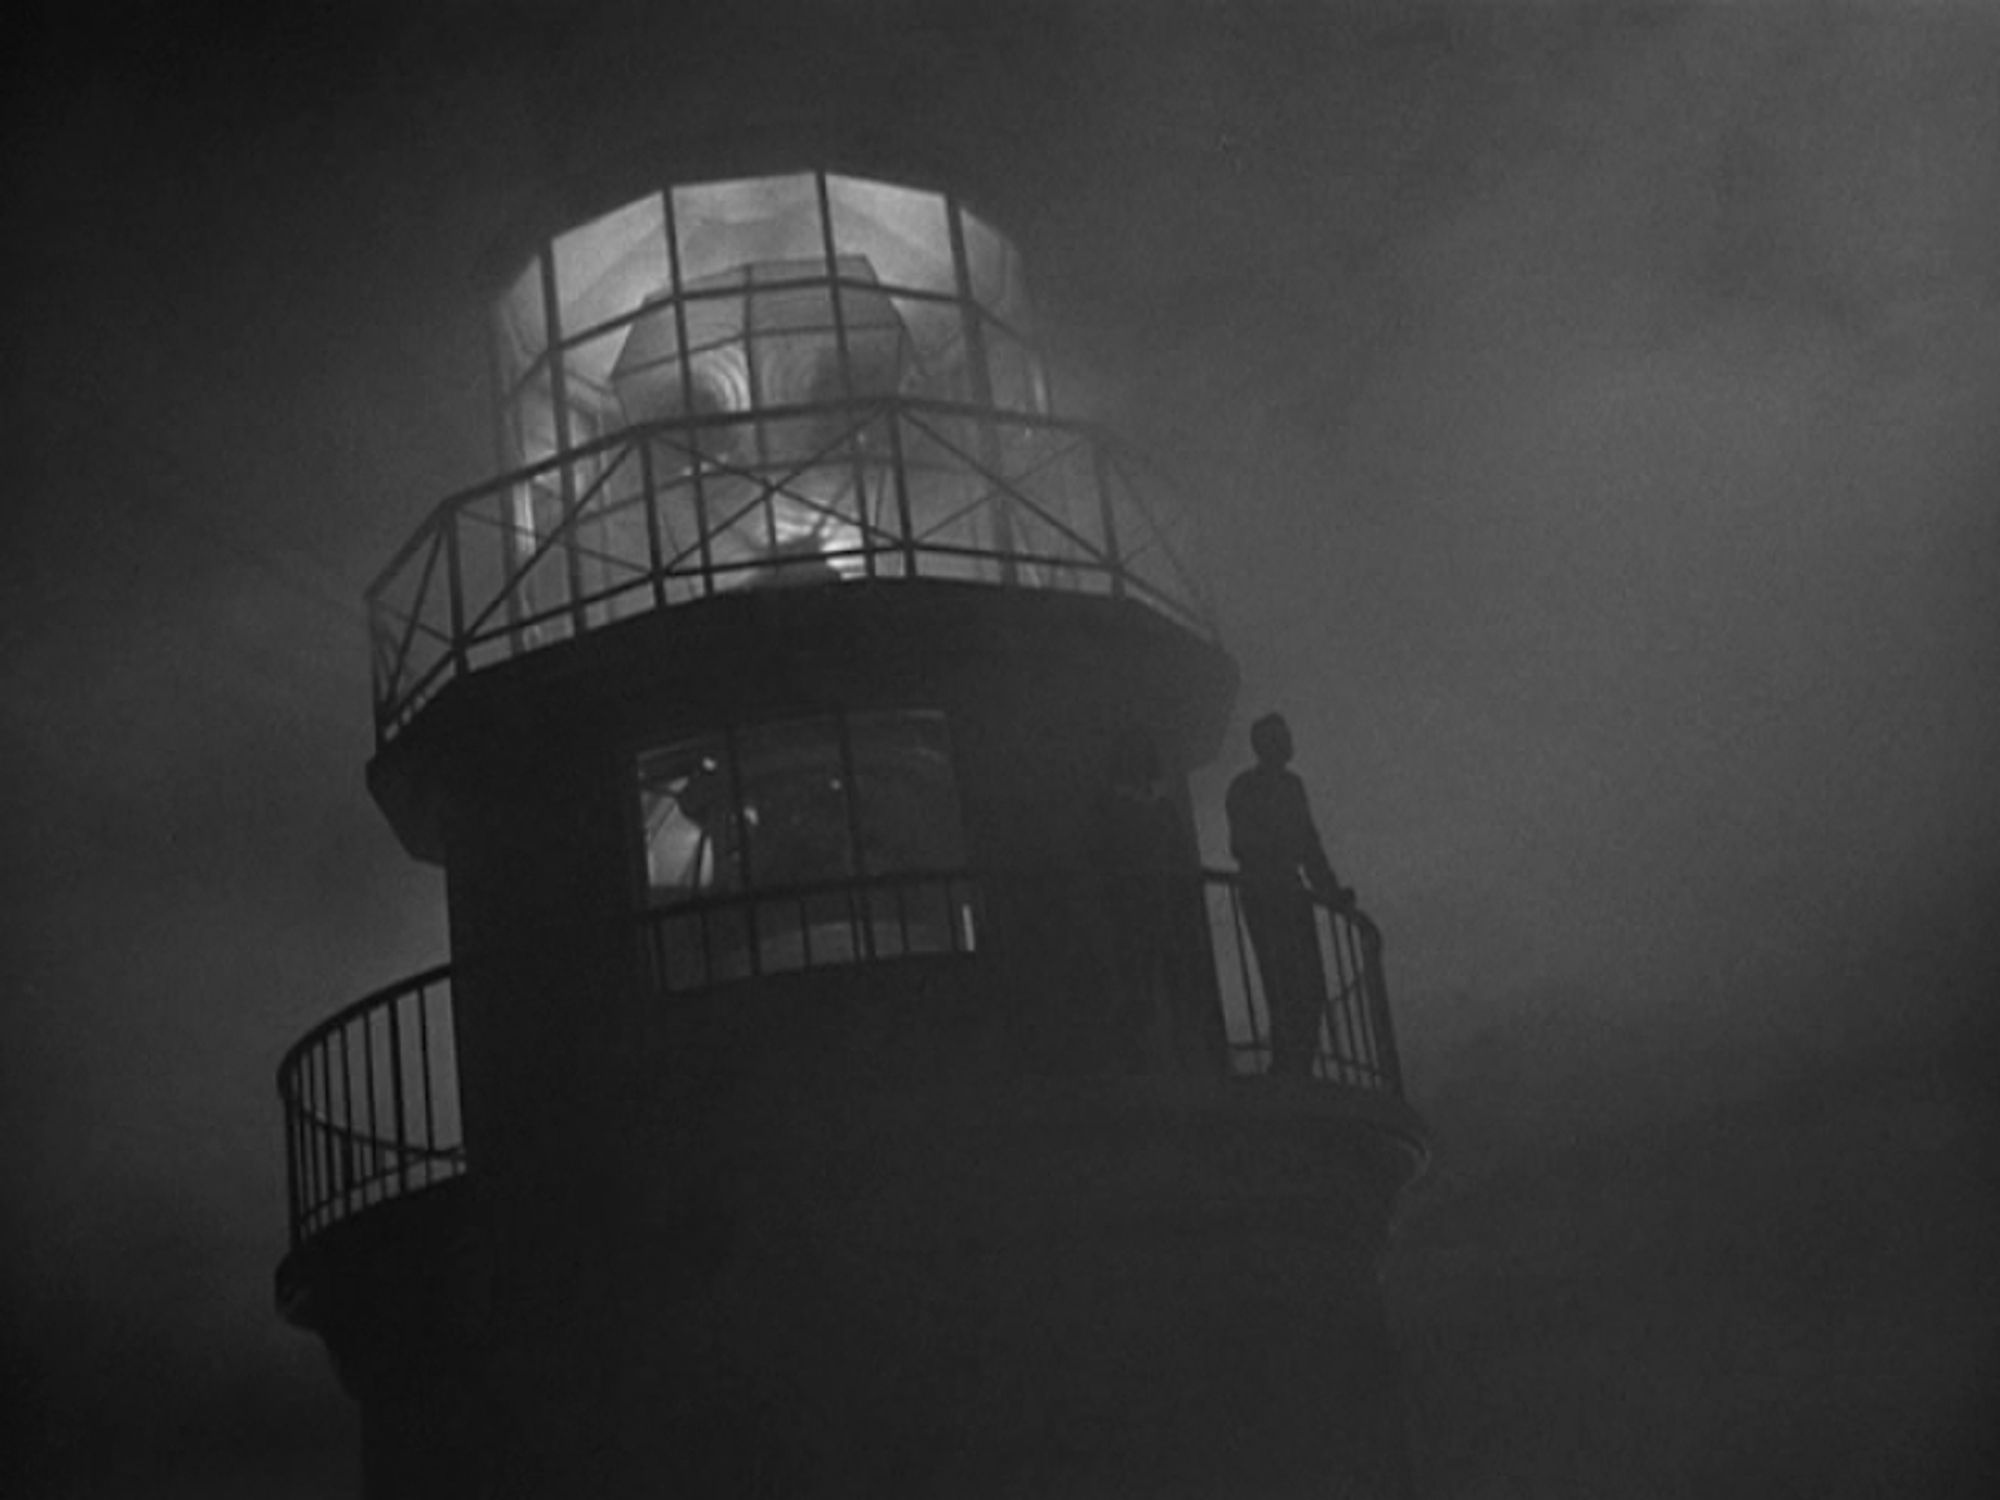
[{"x": 1592, "y": 415}]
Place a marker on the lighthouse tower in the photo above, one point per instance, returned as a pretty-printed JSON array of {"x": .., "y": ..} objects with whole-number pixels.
[{"x": 836, "y": 1086}]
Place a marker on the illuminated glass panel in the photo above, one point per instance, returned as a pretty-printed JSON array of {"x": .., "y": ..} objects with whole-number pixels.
[
  {"x": 605, "y": 266},
  {"x": 994, "y": 270},
  {"x": 804, "y": 842},
  {"x": 724, "y": 225},
  {"x": 800, "y": 802},
  {"x": 905, "y": 236},
  {"x": 1012, "y": 382},
  {"x": 687, "y": 809},
  {"x": 902, "y": 232},
  {"x": 902, "y": 295},
  {"x": 780, "y": 309}
]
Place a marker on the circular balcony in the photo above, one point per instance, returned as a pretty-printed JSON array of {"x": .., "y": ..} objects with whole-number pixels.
[{"x": 370, "y": 1095}]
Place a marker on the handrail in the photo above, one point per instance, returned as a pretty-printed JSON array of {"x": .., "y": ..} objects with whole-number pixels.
[
  {"x": 435, "y": 974},
  {"x": 897, "y": 487}
]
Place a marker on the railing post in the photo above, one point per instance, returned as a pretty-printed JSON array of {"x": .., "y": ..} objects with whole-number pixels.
[
  {"x": 329, "y": 1185},
  {"x": 1253, "y": 997},
  {"x": 347, "y": 1172},
  {"x": 396, "y": 1091},
  {"x": 1377, "y": 986},
  {"x": 424, "y": 1064},
  {"x": 1354, "y": 1048},
  {"x": 902, "y": 479},
  {"x": 455, "y": 591},
  {"x": 656, "y": 565},
  {"x": 1108, "y": 519}
]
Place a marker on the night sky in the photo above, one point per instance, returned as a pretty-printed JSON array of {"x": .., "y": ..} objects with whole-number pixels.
[{"x": 1594, "y": 415}]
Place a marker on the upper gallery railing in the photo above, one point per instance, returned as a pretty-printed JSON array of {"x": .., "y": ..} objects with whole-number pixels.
[{"x": 664, "y": 514}]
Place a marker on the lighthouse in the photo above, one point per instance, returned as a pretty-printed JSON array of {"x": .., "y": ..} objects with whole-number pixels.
[{"x": 835, "y": 1087}]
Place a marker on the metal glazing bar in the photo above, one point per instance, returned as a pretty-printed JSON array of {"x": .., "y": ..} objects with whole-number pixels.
[
  {"x": 760, "y": 442},
  {"x": 697, "y": 482},
  {"x": 559, "y": 402},
  {"x": 981, "y": 374},
  {"x": 842, "y": 357}
]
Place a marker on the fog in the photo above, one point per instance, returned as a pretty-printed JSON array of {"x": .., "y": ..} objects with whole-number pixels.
[{"x": 1591, "y": 416}]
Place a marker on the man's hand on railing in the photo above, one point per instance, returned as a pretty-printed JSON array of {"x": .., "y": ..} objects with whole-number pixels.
[{"x": 1340, "y": 897}]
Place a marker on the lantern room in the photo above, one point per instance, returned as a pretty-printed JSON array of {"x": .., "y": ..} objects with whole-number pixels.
[
  {"x": 766, "y": 382},
  {"x": 725, "y": 299}
]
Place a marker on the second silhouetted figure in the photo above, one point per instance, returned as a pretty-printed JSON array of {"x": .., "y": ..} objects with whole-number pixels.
[{"x": 1284, "y": 865}]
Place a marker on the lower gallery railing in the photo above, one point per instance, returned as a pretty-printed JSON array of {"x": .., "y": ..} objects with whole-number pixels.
[
  {"x": 371, "y": 1095},
  {"x": 371, "y": 1103},
  {"x": 1355, "y": 1043}
]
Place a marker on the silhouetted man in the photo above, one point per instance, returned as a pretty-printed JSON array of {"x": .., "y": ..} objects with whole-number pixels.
[{"x": 1278, "y": 850}]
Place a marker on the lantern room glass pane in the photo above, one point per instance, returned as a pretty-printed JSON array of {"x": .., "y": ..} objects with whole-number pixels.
[
  {"x": 723, "y": 225},
  {"x": 994, "y": 270},
  {"x": 900, "y": 232},
  {"x": 1010, "y": 369},
  {"x": 801, "y": 802},
  {"x": 609, "y": 266},
  {"x": 687, "y": 808}
]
